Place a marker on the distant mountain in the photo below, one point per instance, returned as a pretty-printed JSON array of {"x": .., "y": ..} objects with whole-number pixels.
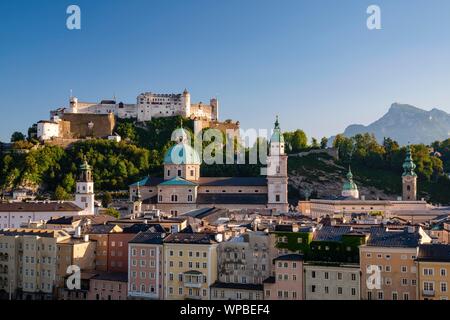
[{"x": 405, "y": 123}]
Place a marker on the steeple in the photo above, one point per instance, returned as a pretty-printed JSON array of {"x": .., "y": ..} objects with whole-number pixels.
[
  {"x": 408, "y": 164},
  {"x": 409, "y": 177},
  {"x": 138, "y": 193},
  {"x": 85, "y": 171},
  {"x": 84, "y": 196}
]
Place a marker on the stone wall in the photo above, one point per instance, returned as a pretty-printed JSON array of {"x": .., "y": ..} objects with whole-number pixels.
[{"x": 102, "y": 124}]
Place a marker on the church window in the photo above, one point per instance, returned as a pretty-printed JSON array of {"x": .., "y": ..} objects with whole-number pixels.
[
  {"x": 168, "y": 172},
  {"x": 189, "y": 198},
  {"x": 408, "y": 188},
  {"x": 179, "y": 173}
]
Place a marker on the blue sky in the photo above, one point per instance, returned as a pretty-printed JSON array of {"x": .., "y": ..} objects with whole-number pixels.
[{"x": 314, "y": 63}]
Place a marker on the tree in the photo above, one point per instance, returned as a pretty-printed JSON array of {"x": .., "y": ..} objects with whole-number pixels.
[
  {"x": 32, "y": 132},
  {"x": 112, "y": 212},
  {"x": 314, "y": 143},
  {"x": 106, "y": 199},
  {"x": 296, "y": 141},
  {"x": 324, "y": 143},
  {"x": 61, "y": 194},
  {"x": 127, "y": 131},
  {"x": 17, "y": 136}
]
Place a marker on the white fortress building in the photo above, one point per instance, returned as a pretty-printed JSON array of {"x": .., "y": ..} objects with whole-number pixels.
[
  {"x": 149, "y": 105},
  {"x": 153, "y": 105}
]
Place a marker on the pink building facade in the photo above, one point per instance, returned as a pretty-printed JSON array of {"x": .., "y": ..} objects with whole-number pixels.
[
  {"x": 145, "y": 273},
  {"x": 287, "y": 283},
  {"x": 108, "y": 286}
]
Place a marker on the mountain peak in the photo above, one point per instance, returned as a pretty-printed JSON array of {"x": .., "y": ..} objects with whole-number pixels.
[{"x": 407, "y": 123}]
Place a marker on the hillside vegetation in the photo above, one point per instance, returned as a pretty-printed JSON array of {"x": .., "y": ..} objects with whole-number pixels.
[{"x": 377, "y": 168}]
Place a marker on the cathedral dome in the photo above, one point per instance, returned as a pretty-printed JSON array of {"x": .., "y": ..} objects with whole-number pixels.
[{"x": 182, "y": 154}]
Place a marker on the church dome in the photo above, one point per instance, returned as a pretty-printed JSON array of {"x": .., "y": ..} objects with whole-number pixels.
[
  {"x": 182, "y": 154},
  {"x": 349, "y": 188}
]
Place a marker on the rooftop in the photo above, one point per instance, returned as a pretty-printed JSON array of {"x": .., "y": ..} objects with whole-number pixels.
[
  {"x": 232, "y": 198},
  {"x": 191, "y": 238},
  {"x": 238, "y": 286},
  {"x": 290, "y": 257},
  {"x": 39, "y": 207},
  {"x": 148, "y": 237},
  {"x": 434, "y": 252}
]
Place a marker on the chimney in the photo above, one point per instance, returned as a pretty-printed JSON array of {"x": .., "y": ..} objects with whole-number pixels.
[{"x": 77, "y": 232}]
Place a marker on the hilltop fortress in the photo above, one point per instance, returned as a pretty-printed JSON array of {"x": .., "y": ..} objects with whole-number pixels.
[{"x": 81, "y": 120}]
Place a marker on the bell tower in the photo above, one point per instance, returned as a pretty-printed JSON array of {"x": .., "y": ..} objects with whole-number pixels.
[
  {"x": 84, "y": 196},
  {"x": 409, "y": 178},
  {"x": 277, "y": 176}
]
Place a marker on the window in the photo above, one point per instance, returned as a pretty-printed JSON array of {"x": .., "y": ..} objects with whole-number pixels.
[
  {"x": 404, "y": 269},
  {"x": 313, "y": 288},
  {"x": 313, "y": 274},
  {"x": 443, "y": 272},
  {"x": 404, "y": 282},
  {"x": 353, "y": 277},
  {"x": 353, "y": 291},
  {"x": 326, "y": 290},
  {"x": 339, "y": 290},
  {"x": 406, "y": 296},
  {"x": 339, "y": 275},
  {"x": 387, "y": 268},
  {"x": 277, "y": 198},
  {"x": 428, "y": 271},
  {"x": 179, "y": 173},
  {"x": 380, "y": 295},
  {"x": 394, "y": 296},
  {"x": 443, "y": 286},
  {"x": 326, "y": 275}
]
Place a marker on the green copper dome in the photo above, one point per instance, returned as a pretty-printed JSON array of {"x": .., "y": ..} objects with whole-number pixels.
[
  {"x": 182, "y": 154},
  {"x": 408, "y": 164},
  {"x": 277, "y": 136},
  {"x": 85, "y": 165},
  {"x": 349, "y": 185}
]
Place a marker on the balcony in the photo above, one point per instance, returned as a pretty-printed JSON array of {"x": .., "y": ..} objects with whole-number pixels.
[
  {"x": 428, "y": 293},
  {"x": 193, "y": 279}
]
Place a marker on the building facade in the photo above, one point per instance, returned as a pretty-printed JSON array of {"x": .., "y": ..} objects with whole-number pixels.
[
  {"x": 287, "y": 282},
  {"x": 146, "y": 263},
  {"x": 332, "y": 282},
  {"x": 434, "y": 272},
  {"x": 190, "y": 265}
]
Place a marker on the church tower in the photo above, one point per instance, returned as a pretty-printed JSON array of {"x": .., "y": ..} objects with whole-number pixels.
[
  {"x": 84, "y": 196},
  {"x": 409, "y": 178},
  {"x": 135, "y": 207},
  {"x": 277, "y": 177}
]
